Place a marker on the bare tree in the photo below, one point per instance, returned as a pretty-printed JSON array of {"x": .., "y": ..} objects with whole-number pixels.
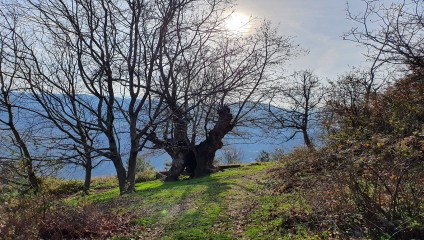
[
  {"x": 116, "y": 47},
  {"x": 153, "y": 68},
  {"x": 10, "y": 87},
  {"x": 213, "y": 82},
  {"x": 392, "y": 32},
  {"x": 88, "y": 33},
  {"x": 62, "y": 103},
  {"x": 294, "y": 105}
]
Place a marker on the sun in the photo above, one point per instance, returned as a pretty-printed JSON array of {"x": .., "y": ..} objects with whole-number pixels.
[{"x": 238, "y": 22}]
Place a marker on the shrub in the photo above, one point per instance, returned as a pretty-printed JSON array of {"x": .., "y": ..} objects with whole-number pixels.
[
  {"x": 378, "y": 142},
  {"x": 20, "y": 216},
  {"x": 105, "y": 182},
  {"x": 217, "y": 161},
  {"x": 277, "y": 154},
  {"x": 41, "y": 217},
  {"x": 263, "y": 157},
  {"x": 231, "y": 155},
  {"x": 88, "y": 222},
  {"x": 143, "y": 165},
  {"x": 386, "y": 187},
  {"x": 59, "y": 187},
  {"x": 145, "y": 176}
]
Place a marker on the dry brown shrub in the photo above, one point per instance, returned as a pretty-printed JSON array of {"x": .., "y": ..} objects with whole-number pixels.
[{"x": 43, "y": 217}]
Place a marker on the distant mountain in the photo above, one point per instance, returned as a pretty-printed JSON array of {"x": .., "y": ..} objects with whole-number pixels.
[{"x": 250, "y": 146}]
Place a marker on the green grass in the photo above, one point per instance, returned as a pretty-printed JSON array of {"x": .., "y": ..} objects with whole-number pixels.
[{"x": 232, "y": 204}]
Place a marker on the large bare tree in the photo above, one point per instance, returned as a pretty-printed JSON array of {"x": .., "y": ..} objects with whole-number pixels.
[
  {"x": 139, "y": 70},
  {"x": 118, "y": 48},
  {"x": 212, "y": 80}
]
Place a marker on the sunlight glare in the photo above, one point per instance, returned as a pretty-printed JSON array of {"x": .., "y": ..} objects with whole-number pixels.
[{"x": 238, "y": 22}]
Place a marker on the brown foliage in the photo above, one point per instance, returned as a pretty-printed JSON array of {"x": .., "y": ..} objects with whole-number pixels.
[
  {"x": 368, "y": 180},
  {"x": 42, "y": 217},
  {"x": 371, "y": 189}
]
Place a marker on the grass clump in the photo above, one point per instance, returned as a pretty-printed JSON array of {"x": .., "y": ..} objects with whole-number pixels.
[
  {"x": 106, "y": 182},
  {"x": 61, "y": 187},
  {"x": 145, "y": 176}
]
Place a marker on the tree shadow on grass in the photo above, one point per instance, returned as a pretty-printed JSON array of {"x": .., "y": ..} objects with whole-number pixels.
[
  {"x": 186, "y": 209},
  {"x": 200, "y": 210}
]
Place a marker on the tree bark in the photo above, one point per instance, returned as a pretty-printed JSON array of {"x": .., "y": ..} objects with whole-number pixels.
[
  {"x": 179, "y": 162},
  {"x": 205, "y": 154},
  {"x": 307, "y": 139},
  {"x": 87, "y": 179},
  {"x": 206, "y": 150},
  {"x": 132, "y": 162},
  {"x": 26, "y": 158},
  {"x": 121, "y": 172},
  {"x": 179, "y": 149},
  {"x": 121, "y": 175},
  {"x": 199, "y": 160}
]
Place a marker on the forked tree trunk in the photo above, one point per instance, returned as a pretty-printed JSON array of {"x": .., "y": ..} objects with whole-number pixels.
[
  {"x": 206, "y": 150},
  {"x": 199, "y": 161}
]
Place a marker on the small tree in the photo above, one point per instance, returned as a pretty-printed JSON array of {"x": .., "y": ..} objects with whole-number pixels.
[
  {"x": 231, "y": 155},
  {"x": 11, "y": 86},
  {"x": 264, "y": 156},
  {"x": 294, "y": 105},
  {"x": 349, "y": 104},
  {"x": 143, "y": 165}
]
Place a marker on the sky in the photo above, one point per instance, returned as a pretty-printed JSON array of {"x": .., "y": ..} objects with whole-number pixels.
[{"x": 318, "y": 26}]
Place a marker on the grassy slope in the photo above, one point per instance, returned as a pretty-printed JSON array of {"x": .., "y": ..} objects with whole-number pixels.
[{"x": 233, "y": 204}]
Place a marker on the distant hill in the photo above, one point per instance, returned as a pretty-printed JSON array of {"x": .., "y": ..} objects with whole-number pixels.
[{"x": 250, "y": 146}]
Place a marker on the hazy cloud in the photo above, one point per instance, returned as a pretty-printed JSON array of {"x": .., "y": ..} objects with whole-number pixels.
[{"x": 317, "y": 26}]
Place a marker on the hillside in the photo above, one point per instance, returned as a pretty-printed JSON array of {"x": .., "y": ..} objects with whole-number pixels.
[
  {"x": 233, "y": 204},
  {"x": 305, "y": 195}
]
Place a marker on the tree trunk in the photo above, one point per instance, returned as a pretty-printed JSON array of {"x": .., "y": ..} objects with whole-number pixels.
[
  {"x": 121, "y": 172},
  {"x": 180, "y": 147},
  {"x": 33, "y": 180},
  {"x": 132, "y": 162},
  {"x": 26, "y": 160},
  {"x": 122, "y": 176},
  {"x": 87, "y": 180},
  {"x": 206, "y": 150},
  {"x": 205, "y": 154},
  {"x": 179, "y": 162},
  {"x": 307, "y": 139},
  {"x": 199, "y": 161}
]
